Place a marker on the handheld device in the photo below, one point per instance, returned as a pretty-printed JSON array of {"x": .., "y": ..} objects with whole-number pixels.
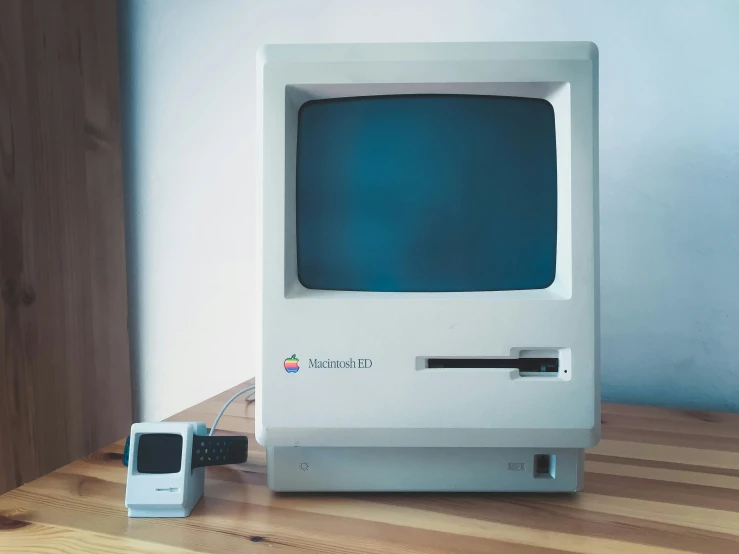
[{"x": 166, "y": 466}]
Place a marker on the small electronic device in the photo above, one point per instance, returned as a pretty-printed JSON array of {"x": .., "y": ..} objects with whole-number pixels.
[
  {"x": 429, "y": 276},
  {"x": 166, "y": 466}
]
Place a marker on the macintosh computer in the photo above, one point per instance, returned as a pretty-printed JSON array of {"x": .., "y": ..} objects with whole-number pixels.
[{"x": 429, "y": 281}]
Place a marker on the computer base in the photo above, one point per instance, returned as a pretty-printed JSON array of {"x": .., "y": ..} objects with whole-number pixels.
[{"x": 295, "y": 469}]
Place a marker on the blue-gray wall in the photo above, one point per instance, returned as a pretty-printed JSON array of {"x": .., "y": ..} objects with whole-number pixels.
[{"x": 669, "y": 166}]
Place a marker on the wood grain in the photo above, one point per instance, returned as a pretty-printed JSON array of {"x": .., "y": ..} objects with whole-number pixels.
[
  {"x": 64, "y": 362},
  {"x": 640, "y": 497}
]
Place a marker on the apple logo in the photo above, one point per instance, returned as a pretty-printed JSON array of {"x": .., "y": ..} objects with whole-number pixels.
[{"x": 291, "y": 364}]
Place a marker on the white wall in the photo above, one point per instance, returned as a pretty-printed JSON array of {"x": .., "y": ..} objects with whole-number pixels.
[{"x": 669, "y": 178}]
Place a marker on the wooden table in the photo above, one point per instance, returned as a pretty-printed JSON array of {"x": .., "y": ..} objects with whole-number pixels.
[{"x": 661, "y": 481}]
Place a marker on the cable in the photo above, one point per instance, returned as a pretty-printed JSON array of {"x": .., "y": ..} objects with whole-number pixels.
[{"x": 226, "y": 405}]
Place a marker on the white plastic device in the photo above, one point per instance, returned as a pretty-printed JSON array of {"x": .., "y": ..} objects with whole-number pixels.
[
  {"x": 350, "y": 391},
  {"x": 172, "y": 494}
]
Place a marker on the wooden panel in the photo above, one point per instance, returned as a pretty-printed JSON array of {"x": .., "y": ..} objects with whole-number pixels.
[
  {"x": 64, "y": 362},
  {"x": 665, "y": 495}
]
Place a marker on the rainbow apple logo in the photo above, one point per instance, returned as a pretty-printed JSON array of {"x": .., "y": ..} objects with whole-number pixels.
[{"x": 291, "y": 364}]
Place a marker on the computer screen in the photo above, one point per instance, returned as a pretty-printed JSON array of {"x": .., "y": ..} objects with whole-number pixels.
[{"x": 426, "y": 193}]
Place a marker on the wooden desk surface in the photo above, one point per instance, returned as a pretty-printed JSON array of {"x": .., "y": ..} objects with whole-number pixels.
[{"x": 660, "y": 481}]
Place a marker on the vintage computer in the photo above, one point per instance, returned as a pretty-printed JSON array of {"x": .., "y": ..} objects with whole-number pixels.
[{"x": 429, "y": 266}]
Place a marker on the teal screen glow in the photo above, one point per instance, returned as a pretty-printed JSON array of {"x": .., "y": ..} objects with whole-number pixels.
[{"x": 426, "y": 193}]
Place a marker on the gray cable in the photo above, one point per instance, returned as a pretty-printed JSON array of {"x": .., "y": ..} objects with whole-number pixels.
[{"x": 226, "y": 405}]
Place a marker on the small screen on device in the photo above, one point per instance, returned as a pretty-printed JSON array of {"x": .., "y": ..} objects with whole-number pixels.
[{"x": 159, "y": 453}]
